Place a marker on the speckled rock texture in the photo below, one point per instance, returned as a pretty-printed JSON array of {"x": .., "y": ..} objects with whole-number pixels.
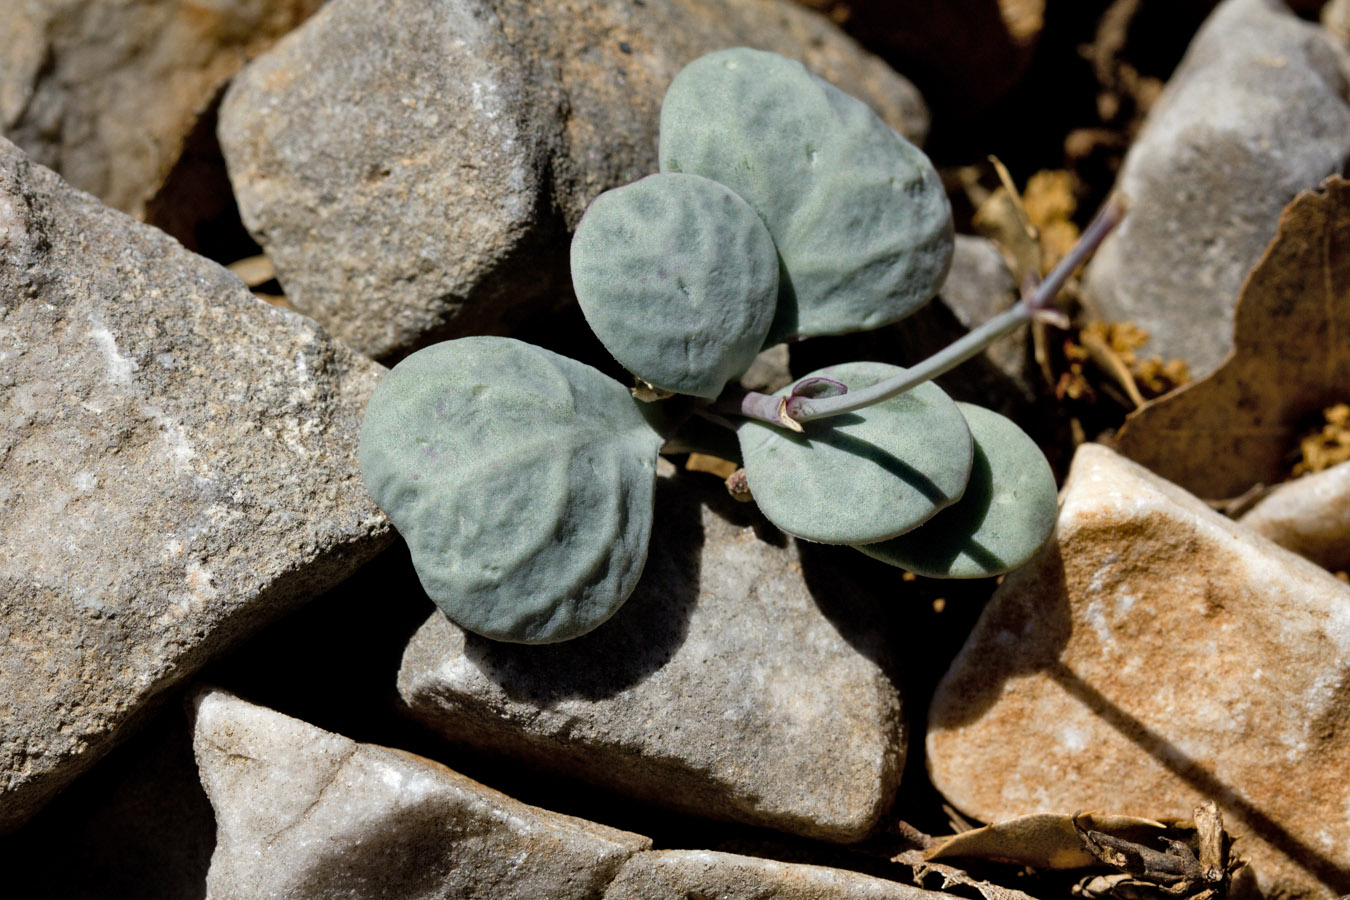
[
  {"x": 177, "y": 466},
  {"x": 1256, "y": 112},
  {"x": 305, "y": 813},
  {"x": 108, "y": 93},
  {"x": 413, "y": 168},
  {"x": 1156, "y": 655},
  {"x": 680, "y": 874},
  {"x": 723, "y": 687},
  {"x": 1310, "y": 515}
]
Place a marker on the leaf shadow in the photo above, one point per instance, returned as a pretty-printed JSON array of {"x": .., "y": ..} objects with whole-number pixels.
[{"x": 637, "y": 641}]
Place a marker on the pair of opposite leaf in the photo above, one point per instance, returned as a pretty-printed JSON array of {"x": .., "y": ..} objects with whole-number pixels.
[{"x": 523, "y": 481}]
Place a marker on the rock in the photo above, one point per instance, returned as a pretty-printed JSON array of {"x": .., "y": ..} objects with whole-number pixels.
[
  {"x": 1255, "y": 113},
  {"x": 177, "y": 466},
  {"x": 303, "y": 812},
  {"x": 405, "y": 203},
  {"x": 677, "y": 874},
  {"x": 723, "y": 687},
  {"x": 1156, "y": 655},
  {"x": 108, "y": 94},
  {"x": 1310, "y": 516}
]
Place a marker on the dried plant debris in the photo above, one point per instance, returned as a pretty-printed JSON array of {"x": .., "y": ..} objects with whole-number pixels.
[
  {"x": 1197, "y": 869},
  {"x": 1043, "y": 840},
  {"x": 1112, "y": 350},
  {"x": 1152, "y": 859},
  {"x": 1328, "y": 444},
  {"x": 1291, "y": 357}
]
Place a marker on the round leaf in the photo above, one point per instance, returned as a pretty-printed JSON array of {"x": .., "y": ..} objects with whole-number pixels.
[
  {"x": 678, "y": 277},
  {"x": 522, "y": 480},
  {"x": 1008, "y": 511},
  {"x": 857, "y": 212},
  {"x": 862, "y": 476}
]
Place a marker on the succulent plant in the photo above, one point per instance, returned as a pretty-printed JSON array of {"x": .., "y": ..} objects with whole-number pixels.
[{"x": 523, "y": 481}]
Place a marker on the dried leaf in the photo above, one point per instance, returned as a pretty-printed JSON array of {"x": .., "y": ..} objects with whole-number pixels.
[
  {"x": 950, "y": 876},
  {"x": 714, "y": 465},
  {"x": 1043, "y": 840},
  {"x": 1291, "y": 357}
]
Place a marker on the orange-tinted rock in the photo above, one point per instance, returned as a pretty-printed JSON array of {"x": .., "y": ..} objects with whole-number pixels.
[{"x": 1155, "y": 655}]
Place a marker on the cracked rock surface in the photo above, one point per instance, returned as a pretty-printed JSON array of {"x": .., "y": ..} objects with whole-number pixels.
[
  {"x": 177, "y": 467},
  {"x": 413, "y": 168},
  {"x": 305, "y": 813},
  {"x": 725, "y": 686},
  {"x": 1153, "y": 656}
]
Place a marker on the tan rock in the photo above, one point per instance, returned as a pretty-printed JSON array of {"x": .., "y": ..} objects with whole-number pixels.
[
  {"x": 1310, "y": 515},
  {"x": 680, "y": 874},
  {"x": 305, "y": 813},
  {"x": 1157, "y": 654},
  {"x": 107, "y": 93}
]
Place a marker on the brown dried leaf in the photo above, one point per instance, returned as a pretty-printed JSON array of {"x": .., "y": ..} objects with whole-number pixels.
[
  {"x": 1043, "y": 840},
  {"x": 1291, "y": 357},
  {"x": 951, "y": 876}
]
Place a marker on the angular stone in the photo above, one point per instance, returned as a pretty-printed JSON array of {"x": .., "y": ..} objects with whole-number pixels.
[
  {"x": 1255, "y": 113},
  {"x": 1310, "y": 516},
  {"x": 107, "y": 94},
  {"x": 302, "y": 812},
  {"x": 677, "y": 874},
  {"x": 413, "y": 168},
  {"x": 177, "y": 466},
  {"x": 723, "y": 687},
  {"x": 1156, "y": 655}
]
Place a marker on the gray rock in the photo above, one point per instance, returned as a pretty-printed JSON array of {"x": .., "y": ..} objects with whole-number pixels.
[
  {"x": 677, "y": 874},
  {"x": 177, "y": 466},
  {"x": 107, "y": 94},
  {"x": 1310, "y": 516},
  {"x": 413, "y": 168},
  {"x": 723, "y": 687},
  {"x": 1255, "y": 113},
  {"x": 1154, "y": 656},
  {"x": 305, "y": 813}
]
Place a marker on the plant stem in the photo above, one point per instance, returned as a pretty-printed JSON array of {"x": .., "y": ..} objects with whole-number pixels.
[{"x": 1038, "y": 303}]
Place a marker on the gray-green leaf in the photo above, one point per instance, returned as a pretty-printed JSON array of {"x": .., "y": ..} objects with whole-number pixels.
[
  {"x": 863, "y": 476},
  {"x": 678, "y": 277},
  {"x": 858, "y": 213},
  {"x": 1008, "y": 511},
  {"x": 522, "y": 480}
]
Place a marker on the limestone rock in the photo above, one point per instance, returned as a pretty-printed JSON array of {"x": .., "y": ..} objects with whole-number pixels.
[
  {"x": 413, "y": 168},
  {"x": 1310, "y": 515},
  {"x": 1155, "y": 655},
  {"x": 107, "y": 93},
  {"x": 677, "y": 874},
  {"x": 723, "y": 687},
  {"x": 303, "y": 812},
  {"x": 1255, "y": 113},
  {"x": 177, "y": 466}
]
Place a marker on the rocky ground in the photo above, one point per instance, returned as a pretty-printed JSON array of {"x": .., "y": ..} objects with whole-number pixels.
[{"x": 220, "y": 677}]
